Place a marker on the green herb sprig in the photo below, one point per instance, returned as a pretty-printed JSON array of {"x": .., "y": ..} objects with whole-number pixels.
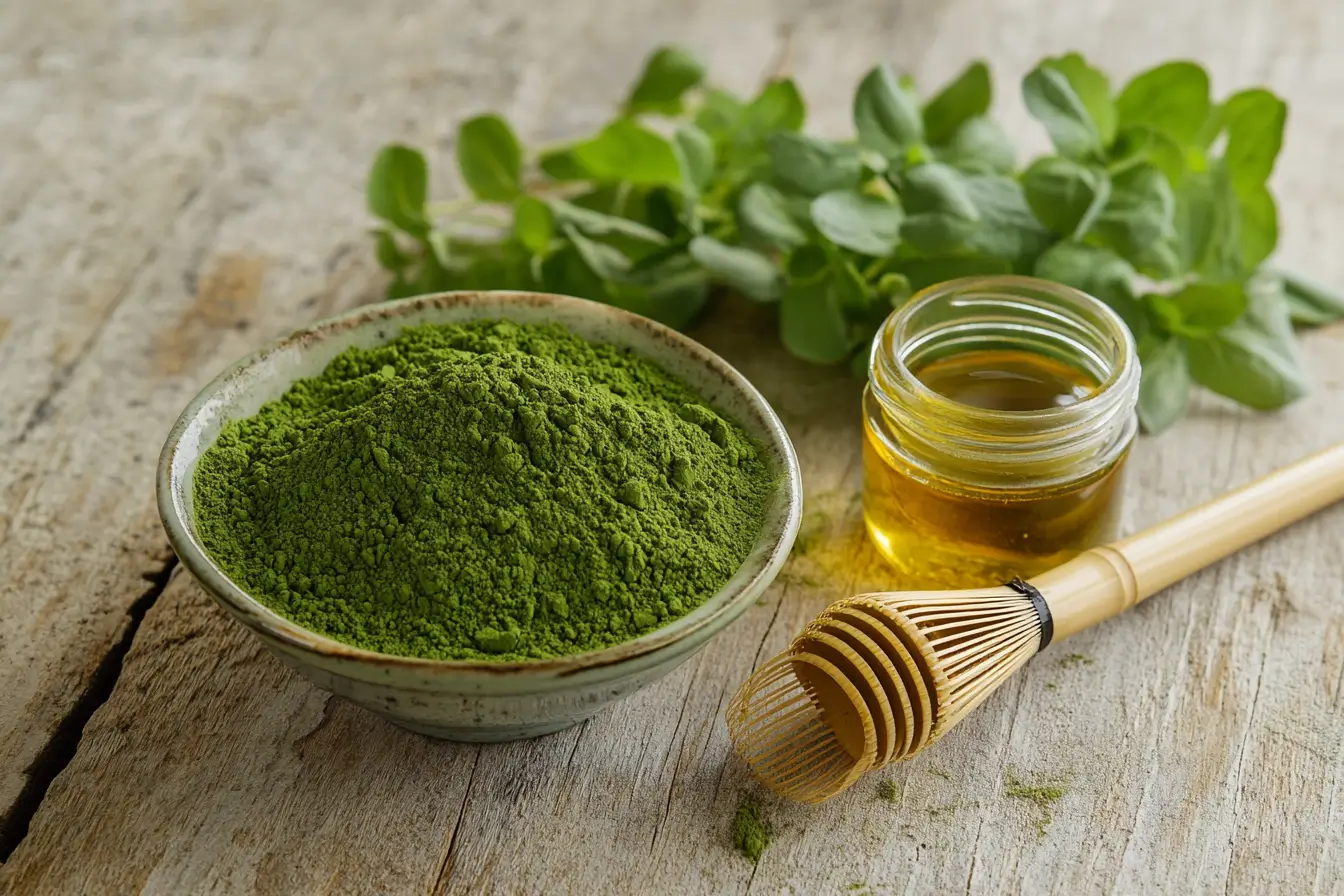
[{"x": 1155, "y": 201}]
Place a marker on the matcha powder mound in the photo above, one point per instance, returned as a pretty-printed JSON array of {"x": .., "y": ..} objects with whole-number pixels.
[
  {"x": 483, "y": 491},
  {"x": 751, "y": 832}
]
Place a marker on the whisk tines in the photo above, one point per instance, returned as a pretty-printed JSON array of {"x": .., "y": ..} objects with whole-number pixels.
[{"x": 877, "y": 678}]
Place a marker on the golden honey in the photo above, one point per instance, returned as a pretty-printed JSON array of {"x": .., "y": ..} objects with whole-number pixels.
[{"x": 996, "y": 425}]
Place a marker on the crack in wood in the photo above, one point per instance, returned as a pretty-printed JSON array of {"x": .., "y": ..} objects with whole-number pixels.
[
  {"x": 445, "y": 869},
  {"x": 60, "y": 748},
  {"x": 676, "y": 762}
]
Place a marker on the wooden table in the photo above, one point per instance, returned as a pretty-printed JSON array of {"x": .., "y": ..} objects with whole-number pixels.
[{"x": 182, "y": 181}]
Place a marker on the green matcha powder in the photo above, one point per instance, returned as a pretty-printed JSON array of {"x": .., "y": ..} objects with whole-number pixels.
[{"x": 483, "y": 491}]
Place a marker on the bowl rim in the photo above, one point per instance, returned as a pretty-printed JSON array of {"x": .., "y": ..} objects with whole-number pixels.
[{"x": 728, "y": 604}]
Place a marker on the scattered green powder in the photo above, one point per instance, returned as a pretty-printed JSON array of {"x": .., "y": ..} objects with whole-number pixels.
[
  {"x": 751, "y": 832},
  {"x": 887, "y": 790},
  {"x": 1042, "y": 794},
  {"x": 1076, "y": 659},
  {"x": 939, "y": 772},
  {"x": 1051, "y": 686},
  {"x": 483, "y": 491},
  {"x": 810, "y": 531}
]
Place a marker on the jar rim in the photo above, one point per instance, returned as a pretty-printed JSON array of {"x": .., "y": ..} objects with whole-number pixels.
[{"x": 1003, "y": 283}]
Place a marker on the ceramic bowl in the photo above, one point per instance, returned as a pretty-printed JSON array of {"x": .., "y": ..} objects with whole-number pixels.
[{"x": 469, "y": 700}]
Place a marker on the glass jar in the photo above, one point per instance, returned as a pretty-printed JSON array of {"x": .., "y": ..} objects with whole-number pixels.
[{"x": 997, "y": 419}]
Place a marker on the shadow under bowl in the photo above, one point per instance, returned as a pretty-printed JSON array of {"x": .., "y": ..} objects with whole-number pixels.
[{"x": 477, "y": 700}]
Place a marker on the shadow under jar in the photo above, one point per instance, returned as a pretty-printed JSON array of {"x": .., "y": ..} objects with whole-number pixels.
[{"x": 997, "y": 419}]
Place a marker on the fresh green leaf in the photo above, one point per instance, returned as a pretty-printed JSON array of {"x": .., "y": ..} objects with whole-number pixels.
[
  {"x": 561, "y": 165},
  {"x": 1137, "y": 145},
  {"x": 1258, "y": 225},
  {"x": 1092, "y": 88},
  {"x": 936, "y": 187},
  {"x": 390, "y": 255},
  {"x": 763, "y": 216},
  {"x": 1139, "y": 213},
  {"x": 1254, "y": 120},
  {"x": 1255, "y": 360},
  {"x": 1159, "y": 260},
  {"x": 1164, "y": 391},
  {"x": 668, "y": 74},
  {"x": 567, "y": 273},
  {"x": 1052, "y": 100},
  {"x": 1208, "y": 225},
  {"x": 778, "y": 107},
  {"x": 938, "y": 233},
  {"x": 746, "y": 271},
  {"x": 1241, "y": 364},
  {"x": 1201, "y": 308},
  {"x": 966, "y": 97},
  {"x": 921, "y": 273},
  {"x": 812, "y": 324},
  {"x": 671, "y": 289},
  {"x": 980, "y": 145},
  {"x": 1006, "y": 228},
  {"x": 1066, "y": 196},
  {"x": 886, "y": 114},
  {"x": 398, "y": 186},
  {"x": 720, "y": 114},
  {"x": 1099, "y": 273},
  {"x": 1171, "y": 99},
  {"x": 866, "y": 224},
  {"x": 695, "y": 155},
  {"x": 626, "y": 151},
  {"x": 607, "y": 262},
  {"x": 1309, "y": 302},
  {"x": 676, "y": 304},
  {"x": 812, "y": 165},
  {"x": 1303, "y": 313},
  {"x": 941, "y": 216},
  {"x": 490, "y": 158},
  {"x": 1267, "y": 311},
  {"x": 461, "y": 265},
  {"x": 665, "y": 215},
  {"x": 1197, "y": 218},
  {"x": 437, "y": 241},
  {"x": 597, "y": 224},
  {"x": 808, "y": 264},
  {"x": 873, "y": 164},
  {"x": 533, "y": 224}
]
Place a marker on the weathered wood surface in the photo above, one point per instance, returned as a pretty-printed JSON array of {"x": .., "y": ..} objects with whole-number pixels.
[{"x": 182, "y": 181}]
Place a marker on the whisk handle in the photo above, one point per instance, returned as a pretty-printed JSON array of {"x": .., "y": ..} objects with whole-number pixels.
[{"x": 1107, "y": 580}]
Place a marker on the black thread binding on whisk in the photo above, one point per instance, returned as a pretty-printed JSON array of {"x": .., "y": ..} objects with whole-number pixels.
[{"x": 1042, "y": 609}]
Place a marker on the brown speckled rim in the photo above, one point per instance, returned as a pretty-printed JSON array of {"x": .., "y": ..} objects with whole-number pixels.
[{"x": 767, "y": 557}]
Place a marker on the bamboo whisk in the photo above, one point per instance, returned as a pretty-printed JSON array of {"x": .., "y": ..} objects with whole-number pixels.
[{"x": 879, "y": 677}]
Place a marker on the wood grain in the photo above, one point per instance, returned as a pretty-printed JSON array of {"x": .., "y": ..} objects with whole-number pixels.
[{"x": 182, "y": 182}]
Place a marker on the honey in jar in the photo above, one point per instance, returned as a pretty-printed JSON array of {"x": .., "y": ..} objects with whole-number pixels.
[{"x": 997, "y": 419}]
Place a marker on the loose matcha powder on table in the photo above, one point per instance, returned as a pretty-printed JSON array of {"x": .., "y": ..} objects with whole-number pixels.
[{"x": 483, "y": 491}]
